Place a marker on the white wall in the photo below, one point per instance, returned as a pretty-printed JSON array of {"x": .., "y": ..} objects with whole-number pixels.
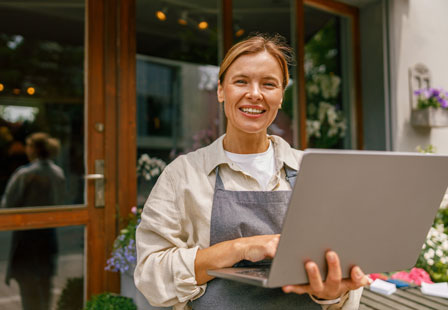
[{"x": 418, "y": 34}]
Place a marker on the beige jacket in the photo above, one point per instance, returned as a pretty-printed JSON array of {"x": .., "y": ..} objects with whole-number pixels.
[{"x": 176, "y": 221}]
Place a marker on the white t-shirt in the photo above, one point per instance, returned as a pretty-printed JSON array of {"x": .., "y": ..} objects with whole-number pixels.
[{"x": 260, "y": 166}]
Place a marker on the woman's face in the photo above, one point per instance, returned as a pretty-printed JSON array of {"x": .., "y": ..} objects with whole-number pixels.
[{"x": 252, "y": 93}]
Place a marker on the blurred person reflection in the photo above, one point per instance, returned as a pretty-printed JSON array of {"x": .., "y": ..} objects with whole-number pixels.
[{"x": 33, "y": 253}]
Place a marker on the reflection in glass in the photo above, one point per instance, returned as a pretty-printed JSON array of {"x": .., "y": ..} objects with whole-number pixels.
[
  {"x": 42, "y": 85},
  {"x": 276, "y": 17},
  {"x": 39, "y": 183},
  {"x": 177, "y": 76},
  {"x": 42, "y": 268},
  {"x": 327, "y": 121}
]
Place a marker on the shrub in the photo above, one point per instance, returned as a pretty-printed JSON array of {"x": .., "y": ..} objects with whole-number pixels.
[{"x": 110, "y": 301}]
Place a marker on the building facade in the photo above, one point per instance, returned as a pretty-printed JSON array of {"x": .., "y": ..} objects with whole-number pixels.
[{"x": 111, "y": 80}]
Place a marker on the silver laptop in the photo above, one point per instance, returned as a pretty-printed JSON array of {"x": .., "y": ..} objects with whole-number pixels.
[{"x": 373, "y": 208}]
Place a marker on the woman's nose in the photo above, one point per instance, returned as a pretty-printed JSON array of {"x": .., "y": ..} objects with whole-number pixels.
[{"x": 254, "y": 93}]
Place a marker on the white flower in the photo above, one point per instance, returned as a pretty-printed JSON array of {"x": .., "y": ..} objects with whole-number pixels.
[
  {"x": 430, "y": 262},
  {"x": 443, "y": 260},
  {"x": 439, "y": 253},
  {"x": 312, "y": 88},
  {"x": 149, "y": 167},
  {"x": 445, "y": 245},
  {"x": 430, "y": 243}
]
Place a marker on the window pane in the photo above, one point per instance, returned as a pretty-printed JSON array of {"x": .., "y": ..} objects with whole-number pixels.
[
  {"x": 42, "y": 90},
  {"x": 42, "y": 268},
  {"x": 327, "y": 80},
  {"x": 177, "y": 74},
  {"x": 276, "y": 18}
]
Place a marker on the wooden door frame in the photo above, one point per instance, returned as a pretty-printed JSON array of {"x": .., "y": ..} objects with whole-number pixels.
[
  {"x": 352, "y": 13},
  {"x": 112, "y": 90},
  {"x": 110, "y": 101}
]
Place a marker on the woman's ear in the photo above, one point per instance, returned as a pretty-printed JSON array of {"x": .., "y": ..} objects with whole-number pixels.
[{"x": 220, "y": 92}]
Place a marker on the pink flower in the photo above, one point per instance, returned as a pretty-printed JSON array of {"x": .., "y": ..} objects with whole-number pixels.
[
  {"x": 134, "y": 210},
  {"x": 416, "y": 276}
]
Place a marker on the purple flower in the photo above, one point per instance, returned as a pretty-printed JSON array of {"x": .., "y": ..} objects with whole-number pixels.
[
  {"x": 435, "y": 92},
  {"x": 443, "y": 102}
]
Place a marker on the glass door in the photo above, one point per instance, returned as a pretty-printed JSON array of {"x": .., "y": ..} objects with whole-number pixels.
[{"x": 58, "y": 152}]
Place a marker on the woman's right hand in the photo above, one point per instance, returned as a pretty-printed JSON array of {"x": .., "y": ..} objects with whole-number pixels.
[
  {"x": 228, "y": 253},
  {"x": 257, "y": 248}
]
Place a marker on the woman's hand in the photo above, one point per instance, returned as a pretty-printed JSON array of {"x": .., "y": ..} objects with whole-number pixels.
[
  {"x": 257, "y": 248},
  {"x": 334, "y": 286},
  {"x": 228, "y": 253}
]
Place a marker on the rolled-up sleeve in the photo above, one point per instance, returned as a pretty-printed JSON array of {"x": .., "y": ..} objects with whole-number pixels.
[
  {"x": 165, "y": 264},
  {"x": 350, "y": 302}
]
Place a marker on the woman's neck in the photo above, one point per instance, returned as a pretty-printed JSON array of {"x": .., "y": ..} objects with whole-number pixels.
[{"x": 246, "y": 143}]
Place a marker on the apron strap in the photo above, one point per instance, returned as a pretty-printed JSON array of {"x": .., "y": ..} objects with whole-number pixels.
[
  {"x": 291, "y": 176},
  {"x": 219, "y": 184}
]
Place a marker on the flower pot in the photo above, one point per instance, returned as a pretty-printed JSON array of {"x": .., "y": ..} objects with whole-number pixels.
[
  {"x": 429, "y": 117},
  {"x": 128, "y": 289}
]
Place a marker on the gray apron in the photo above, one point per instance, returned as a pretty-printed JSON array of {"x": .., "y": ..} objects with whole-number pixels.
[{"x": 237, "y": 214}]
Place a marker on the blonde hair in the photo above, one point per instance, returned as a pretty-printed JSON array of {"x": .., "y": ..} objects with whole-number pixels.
[{"x": 274, "y": 45}]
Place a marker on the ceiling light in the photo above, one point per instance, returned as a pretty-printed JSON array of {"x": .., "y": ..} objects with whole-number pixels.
[
  {"x": 161, "y": 14},
  {"x": 31, "y": 91},
  {"x": 239, "y": 31},
  {"x": 203, "y": 25},
  {"x": 2, "y": 87}
]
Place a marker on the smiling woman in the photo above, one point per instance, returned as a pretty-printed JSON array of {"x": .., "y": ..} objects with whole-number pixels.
[{"x": 224, "y": 204}]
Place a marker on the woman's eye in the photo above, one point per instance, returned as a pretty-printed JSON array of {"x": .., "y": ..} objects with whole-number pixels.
[
  {"x": 240, "y": 82},
  {"x": 270, "y": 84}
]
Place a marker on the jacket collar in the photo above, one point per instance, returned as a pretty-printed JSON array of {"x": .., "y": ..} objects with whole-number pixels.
[{"x": 282, "y": 151}]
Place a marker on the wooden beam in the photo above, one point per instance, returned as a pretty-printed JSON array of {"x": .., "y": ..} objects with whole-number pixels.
[
  {"x": 30, "y": 218},
  {"x": 227, "y": 24},
  {"x": 95, "y": 44},
  {"x": 127, "y": 109},
  {"x": 334, "y": 7}
]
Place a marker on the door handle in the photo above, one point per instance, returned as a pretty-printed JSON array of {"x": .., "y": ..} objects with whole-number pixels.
[
  {"x": 95, "y": 176},
  {"x": 98, "y": 177}
]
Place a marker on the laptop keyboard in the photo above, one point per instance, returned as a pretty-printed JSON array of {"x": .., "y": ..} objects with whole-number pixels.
[{"x": 259, "y": 273}]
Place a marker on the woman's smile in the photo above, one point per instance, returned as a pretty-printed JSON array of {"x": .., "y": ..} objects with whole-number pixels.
[{"x": 252, "y": 111}]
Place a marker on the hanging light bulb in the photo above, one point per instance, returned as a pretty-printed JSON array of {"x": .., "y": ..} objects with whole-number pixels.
[
  {"x": 202, "y": 24},
  {"x": 239, "y": 31},
  {"x": 2, "y": 87},
  {"x": 31, "y": 91},
  {"x": 161, "y": 14},
  {"x": 183, "y": 18}
]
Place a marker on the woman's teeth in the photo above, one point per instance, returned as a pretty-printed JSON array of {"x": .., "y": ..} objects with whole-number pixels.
[{"x": 251, "y": 111}]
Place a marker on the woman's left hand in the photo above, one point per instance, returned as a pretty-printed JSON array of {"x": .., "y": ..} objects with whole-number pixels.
[{"x": 334, "y": 286}]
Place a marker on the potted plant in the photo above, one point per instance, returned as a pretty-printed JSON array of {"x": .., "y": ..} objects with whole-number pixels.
[{"x": 432, "y": 108}]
